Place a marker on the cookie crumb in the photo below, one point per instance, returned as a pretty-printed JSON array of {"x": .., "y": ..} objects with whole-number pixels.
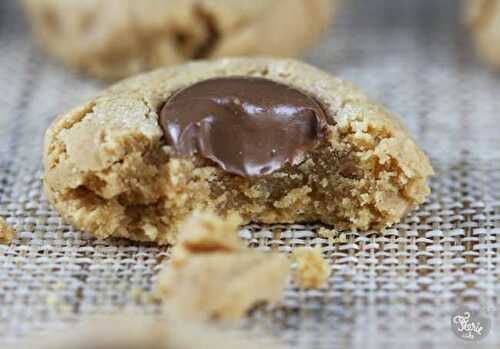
[
  {"x": 213, "y": 276},
  {"x": 205, "y": 233},
  {"x": 7, "y": 233},
  {"x": 328, "y": 233},
  {"x": 332, "y": 235},
  {"x": 312, "y": 269}
]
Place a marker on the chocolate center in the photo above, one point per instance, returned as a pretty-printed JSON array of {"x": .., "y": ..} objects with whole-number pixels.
[{"x": 248, "y": 126}]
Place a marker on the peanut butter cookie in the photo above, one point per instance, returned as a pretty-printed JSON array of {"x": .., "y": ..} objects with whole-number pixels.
[
  {"x": 112, "y": 39},
  {"x": 483, "y": 19},
  {"x": 270, "y": 140}
]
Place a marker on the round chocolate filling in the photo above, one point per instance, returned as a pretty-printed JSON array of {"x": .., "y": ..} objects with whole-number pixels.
[{"x": 248, "y": 126}]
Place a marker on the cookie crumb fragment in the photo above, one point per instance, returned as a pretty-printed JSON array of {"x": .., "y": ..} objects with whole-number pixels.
[
  {"x": 206, "y": 233},
  {"x": 312, "y": 269},
  {"x": 213, "y": 276},
  {"x": 332, "y": 235},
  {"x": 7, "y": 233}
]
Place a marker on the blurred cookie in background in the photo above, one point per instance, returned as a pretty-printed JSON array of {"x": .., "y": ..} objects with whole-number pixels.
[
  {"x": 112, "y": 39},
  {"x": 131, "y": 331},
  {"x": 483, "y": 19}
]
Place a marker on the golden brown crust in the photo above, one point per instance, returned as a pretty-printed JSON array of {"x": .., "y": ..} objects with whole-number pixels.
[
  {"x": 107, "y": 172},
  {"x": 113, "y": 39}
]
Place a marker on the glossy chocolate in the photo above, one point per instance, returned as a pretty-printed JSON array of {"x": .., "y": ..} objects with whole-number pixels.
[{"x": 248, "y": 126}]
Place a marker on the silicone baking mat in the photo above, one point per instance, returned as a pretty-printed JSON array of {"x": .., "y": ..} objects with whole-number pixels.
[{"x": 387, "y": 289}]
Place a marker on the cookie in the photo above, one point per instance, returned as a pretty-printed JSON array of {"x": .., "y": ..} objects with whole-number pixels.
[
  {"x": 213, "y": 276},
  {"x": 129, "y": 330},
  {"x": 483, "y": 20},
  {"x": 274, "y": 141},
  {"x": 112, "y": 39}
]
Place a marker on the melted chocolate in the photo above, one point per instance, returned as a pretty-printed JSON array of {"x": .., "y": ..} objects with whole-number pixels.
[{"x": 248, "y": 126}]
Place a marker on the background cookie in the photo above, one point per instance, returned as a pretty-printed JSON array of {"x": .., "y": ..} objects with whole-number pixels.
[
  {"x": 112, "y": 39},
  {"x": 108, "y": 170},
  {"x": 483, "y": 19},
  {"x": 132, "y": 331}
]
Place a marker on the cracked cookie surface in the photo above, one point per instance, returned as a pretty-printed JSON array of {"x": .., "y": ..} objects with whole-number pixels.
[
  {"x": 111, "y": 39},
  {"x": 109, "y": 172}
]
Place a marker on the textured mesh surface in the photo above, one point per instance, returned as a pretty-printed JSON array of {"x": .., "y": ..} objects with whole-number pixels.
[{"x": 387, "y": 289}]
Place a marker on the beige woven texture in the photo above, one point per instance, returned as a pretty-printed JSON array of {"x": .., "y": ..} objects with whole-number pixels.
[{"x": 387, "y": 289}]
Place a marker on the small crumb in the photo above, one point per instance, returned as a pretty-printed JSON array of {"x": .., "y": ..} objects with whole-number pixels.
[
  {"x": 205, "y": 233},
  {"x": 343, "y": 238},
  {"x": 312, "y": 269},
  {"x": 7, "y": 233},
  {"x": 324, "y": 182},
  {"x": 213, "y": 276},
  {"x": 328, "y": 233},
  {"x": 151, "y": 231},
  {"x": 332, "y": 235}
]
